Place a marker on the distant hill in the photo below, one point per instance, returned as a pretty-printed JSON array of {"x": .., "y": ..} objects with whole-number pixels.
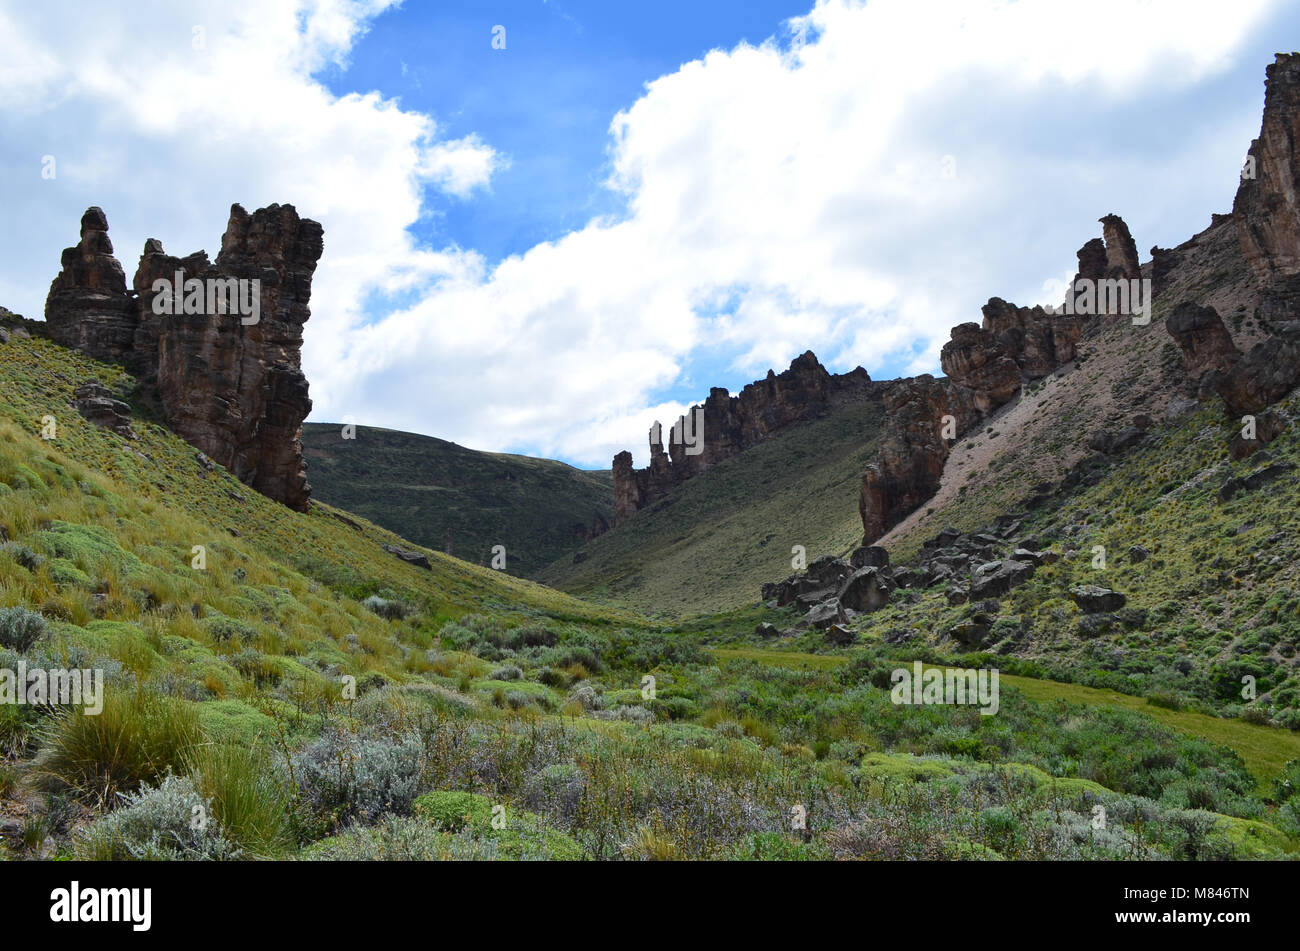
[
  {"x": 716, "y": 538},
  {"x": 423, "y": 487}
]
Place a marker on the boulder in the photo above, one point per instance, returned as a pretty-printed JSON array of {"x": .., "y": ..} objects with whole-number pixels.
[
  {"x": 1202, "y": 338},
  {"x": 999, "y": 577},
  {"x": 1094, "y": 599},
  {"x": 837, "y": 635},
  {"x": 419, "y": 559},
  {"x": 95, "y": 402},
  {"x": 869, "y": 556},
  {"x": 868, "y": 589},
  {"x": 825, "y": 614}
]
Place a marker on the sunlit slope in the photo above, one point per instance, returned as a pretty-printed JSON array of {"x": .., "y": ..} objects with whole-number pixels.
[
  {"x": 157, "y": 484},
  {"x": 711, "y": 543}
]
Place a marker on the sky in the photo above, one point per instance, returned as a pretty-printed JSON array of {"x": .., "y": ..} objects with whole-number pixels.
[{"x": 549, "y": 223}]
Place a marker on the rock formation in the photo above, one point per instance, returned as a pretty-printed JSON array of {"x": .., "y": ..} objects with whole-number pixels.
[
  {"x": 88, "y": 307},
  {"x": 986, "y": 365},
  {"x": 1202, "y": 338},
  {"x": 1121, "y": 249},
  {"x": 230, "y": 384},
  {"x": 913, "y": 449},
  {"x": 1267, "y": 206},
  {"x": 726, "y": 425}
]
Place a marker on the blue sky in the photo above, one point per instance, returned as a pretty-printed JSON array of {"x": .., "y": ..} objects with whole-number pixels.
[
  {"x": 546, "y": 247},
  {"x": 545, "y": 101}
]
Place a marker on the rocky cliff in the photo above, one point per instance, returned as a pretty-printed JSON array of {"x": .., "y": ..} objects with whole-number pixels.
[
  {"x": 986, "y": 365},
  {"x": 230, "y": 381},
  {"x": 724, "y": 425}
]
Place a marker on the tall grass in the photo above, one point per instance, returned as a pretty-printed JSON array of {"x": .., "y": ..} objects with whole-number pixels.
[
  {"x": 138, "y": 737},
  {"x": 250, "y": 799}
]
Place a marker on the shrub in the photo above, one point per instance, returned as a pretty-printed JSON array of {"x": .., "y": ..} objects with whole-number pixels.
[
  {"x": 221, "y": 629},
  {"x": 138, "y": 737},
  {"x": 23, "y": 555},
  {"x": 393, "y": 610},
  {"x": 401, "y": 839},
  {"x": 20, "y": 628},
  {"x": 249, "y": 799},
  {"x": 164, "y": 823},
  {"x": 345, "y": 776},
  {"x": 508, "y": 672}
]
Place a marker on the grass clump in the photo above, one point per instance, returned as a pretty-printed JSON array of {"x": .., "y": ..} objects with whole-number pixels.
[{"x": 137, "y": 738}]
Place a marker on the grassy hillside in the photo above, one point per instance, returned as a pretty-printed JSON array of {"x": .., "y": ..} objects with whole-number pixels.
[
  {"x": 227, "y": 691},
  {"x": 539, "y": 509},
  {"x": 712, "y": 542}
]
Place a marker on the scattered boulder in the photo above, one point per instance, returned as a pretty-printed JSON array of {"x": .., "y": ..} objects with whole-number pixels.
[
  {"x": 766, "y": 630},
  {"x": 837, "y": 635},
  {"x": 1137, "y": 554},
  {"x": 999, "y": 577},
  {"x": 868, "y": 589},
  {"x": 825, "y": 614},
  {"x": 419, "y": 559},
  {"x": 869, "y": 556},
  {"x": 96, "y": 403},
  {"x": 1094, "y": 599},
  {"x": 1112, "y": 443}
]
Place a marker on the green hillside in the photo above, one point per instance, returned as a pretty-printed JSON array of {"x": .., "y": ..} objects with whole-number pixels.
[
  {"x": 423, "y": 487},
  {"x": 227, "y": 690},
  {"x": 712, "y": 543}
]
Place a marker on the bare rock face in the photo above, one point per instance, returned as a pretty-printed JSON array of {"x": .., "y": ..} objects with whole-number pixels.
[
  {"x": 986, "y": 365},
  {"x": 230, "y": 382},
  {"x": 972, "y": 358},
  {"x": 727, "y": 425},
  {"x": 1121, "y": 249},
  {"x": 1202, "y": 337},
  {"x": 235, "y": 390},
  {"x": 88, "y": 307},
  {"x": 1265, "y": 374},
  {"x": 1267, "y": 207},
  {"x": 912, "y": 449}
]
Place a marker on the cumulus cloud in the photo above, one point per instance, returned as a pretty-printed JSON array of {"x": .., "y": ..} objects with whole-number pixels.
[{"x": 855, "y": 186}]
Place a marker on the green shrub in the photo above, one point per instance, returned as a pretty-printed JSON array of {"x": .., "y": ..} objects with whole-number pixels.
[
  {"x": 20, "y": 628},
  {"x": 248, "y": 797},
  {"x": 137, "y": 738}
]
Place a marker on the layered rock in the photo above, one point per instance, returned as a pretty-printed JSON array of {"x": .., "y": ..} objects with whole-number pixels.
[
  {"x": 724, "y": 425},
  {"x": 230, "y": 384},
  {"x": 1267, "y": 207},
  {"x": 88, "y": 307}
]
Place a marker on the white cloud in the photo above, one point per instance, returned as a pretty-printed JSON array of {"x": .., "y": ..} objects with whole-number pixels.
[{"x": 777, "y": 199}]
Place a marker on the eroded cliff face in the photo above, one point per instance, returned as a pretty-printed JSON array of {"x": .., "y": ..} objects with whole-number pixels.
[
  {"x": 986, "y": 365},
  {"x": 230, "y": 381},
  {"x": 1267, "y": 207},
  {"x": 726, "y": 425}
]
